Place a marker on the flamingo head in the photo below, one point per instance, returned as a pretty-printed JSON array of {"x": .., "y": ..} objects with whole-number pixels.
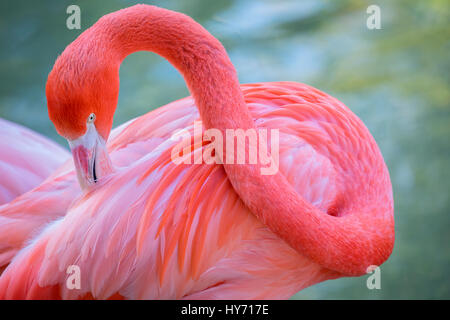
[
  {"x": 90, "y": 155},
  {"x": 81, "y": 102}
]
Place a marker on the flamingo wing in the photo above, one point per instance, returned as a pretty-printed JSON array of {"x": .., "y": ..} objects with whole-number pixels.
[
  {"x": 26, "y": 159},
  {"x": 25, "y": 216}
]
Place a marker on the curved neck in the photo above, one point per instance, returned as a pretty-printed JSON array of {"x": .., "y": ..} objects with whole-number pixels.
[
  {"x": 193, "y": 51},
  {"x": 348, "y": 244}
]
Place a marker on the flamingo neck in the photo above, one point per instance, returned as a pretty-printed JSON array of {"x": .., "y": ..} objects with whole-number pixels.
[
  {"x": 193, "y": 51},
  {"x": 211, "y": 78}
]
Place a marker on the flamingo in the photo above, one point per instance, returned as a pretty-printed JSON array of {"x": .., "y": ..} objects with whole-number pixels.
[
  {"x": 144, "y": 227},
  {"x": 26, "y": 159}
]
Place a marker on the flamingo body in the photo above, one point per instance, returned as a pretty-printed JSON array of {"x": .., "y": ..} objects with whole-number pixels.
[{"x": 202, "y": 242}]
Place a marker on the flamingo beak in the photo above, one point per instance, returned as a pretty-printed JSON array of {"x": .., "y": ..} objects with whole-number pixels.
[{"x": 90, "y": 157}]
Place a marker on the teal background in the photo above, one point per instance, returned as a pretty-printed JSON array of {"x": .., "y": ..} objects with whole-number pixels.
[{"x": 395, "y": 79}]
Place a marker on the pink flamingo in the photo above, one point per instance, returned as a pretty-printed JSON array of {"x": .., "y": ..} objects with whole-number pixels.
[
  {"x": 147, "y": 228},
  {"x": 26, "y": 159}
]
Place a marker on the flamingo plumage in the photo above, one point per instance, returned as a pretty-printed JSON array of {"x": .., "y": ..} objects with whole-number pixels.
[
  {"x": 26, "y": 159},
  {"x": 147, "y": 228}
]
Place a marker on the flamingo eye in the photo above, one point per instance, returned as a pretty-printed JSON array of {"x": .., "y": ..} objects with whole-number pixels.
[{"x": 91, "y": 118}]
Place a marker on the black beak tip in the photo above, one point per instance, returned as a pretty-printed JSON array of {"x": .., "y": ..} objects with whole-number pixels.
[{"x": 94, "y": 173}]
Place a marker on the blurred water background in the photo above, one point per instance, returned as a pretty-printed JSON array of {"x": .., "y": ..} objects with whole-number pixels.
[{"x": 395, "y": 79}]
